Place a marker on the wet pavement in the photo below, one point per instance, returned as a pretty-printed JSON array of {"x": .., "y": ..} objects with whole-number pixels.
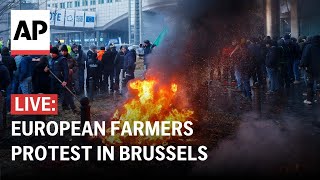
[{"x": 278, "y": 134}]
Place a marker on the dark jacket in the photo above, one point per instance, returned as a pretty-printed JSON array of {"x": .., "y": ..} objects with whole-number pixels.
[
  {"x": 91, "y": 55},
  {"x": 119, "y": 60},
  {"x": 81, "y": 58},
  {"x": 40, "y": 79},
  {"x": 147, "y": 52},
  {"x": 59, "y": 66},
  {"x": 130, "y": 61},
  {"x": 4, "y": 77},
  {"x": 8, "y": 61},
  {"x": 311, "y": 57},
  {"x": 108, "y": 60},
  {"x": 25, "y": 68},
  {"x": 256, "y": 53},
  {"x": 272, "y": 57},
  {"x": 72, "y": 64}
]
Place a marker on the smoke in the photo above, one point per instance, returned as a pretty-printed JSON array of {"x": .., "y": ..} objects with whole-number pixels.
[
  {"x": 197, "y": 31},
  {"x": 282, "y": 146}
]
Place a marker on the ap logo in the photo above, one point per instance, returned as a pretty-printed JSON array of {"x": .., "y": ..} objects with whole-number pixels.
[{"x": 30, "y": 32}]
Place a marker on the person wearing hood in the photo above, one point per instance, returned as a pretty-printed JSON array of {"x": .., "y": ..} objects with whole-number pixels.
[
  {"x": 74, "y": 51},
  {"x": 311, "y": 63},
  {"x": 8, "y": 61},
  {"x": 59, "y": 67},
  {"x": 4, "y": 83},
  {"x": 100, "y": 53}
]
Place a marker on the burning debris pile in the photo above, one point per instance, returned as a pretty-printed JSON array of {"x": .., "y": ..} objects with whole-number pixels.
[{"x": 149, "y": 101}]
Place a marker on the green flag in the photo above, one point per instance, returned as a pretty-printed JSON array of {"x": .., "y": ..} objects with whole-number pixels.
[{"x": 161, "y": 37}]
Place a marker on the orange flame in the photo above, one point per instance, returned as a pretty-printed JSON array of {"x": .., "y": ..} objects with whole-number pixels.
[{"x": 149, "y": 101}]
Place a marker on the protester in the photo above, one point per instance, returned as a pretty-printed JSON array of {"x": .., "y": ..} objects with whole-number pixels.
[
  {"x": 68, "y": 101},
  {"x": 40, "y": 78},
  {"x": 272, "y": 64},
  {"x": 256, "y": 55},
  {"x": 74, "y": 51},
  {"x": 4, "y": 83},
  {"x": 25, "y": 73},
  {"x": 81, "y": 59},
  {"x": 310, "y": 61},
  {"x": 108, "y": 69},
  {"x": 130, "y": 64},
  {"x": 9, "y": 61},
  {"x": 58, "y": 66},
  {"x": 93, "y": 67},
  {"x": 236, "y": 56},
  {"x": 147, "y": 52},
  {"x": 118, "y": 66},
  {"x": 140, "y": 51},
  {"x": 100, "y": 53}
]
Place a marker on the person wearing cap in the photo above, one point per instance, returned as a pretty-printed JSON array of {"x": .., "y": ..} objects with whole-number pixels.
[
  {"x": 4, "y": 83},
  {"x": 59, "y": 67},
  {"x": 72, "y": 65}
]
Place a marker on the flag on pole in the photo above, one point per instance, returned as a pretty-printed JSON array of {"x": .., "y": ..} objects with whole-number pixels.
[{"x": 161, "y": 37}]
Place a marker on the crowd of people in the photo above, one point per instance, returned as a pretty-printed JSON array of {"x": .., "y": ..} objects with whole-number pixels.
[
  {"x": 68, "y": 71},
  {"x": 277, "y": 63}
]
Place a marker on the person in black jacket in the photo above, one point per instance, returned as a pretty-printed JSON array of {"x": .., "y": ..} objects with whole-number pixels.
[
  {"x": 130, "y": 65},
  {"x": 4, "y": 83},
  {"x": 311, "y": 62},
  {"x": 59, "y": 67},
  {"x": 8, "y": 61},
  {"x": 118, "y": 66},
  {"x": 108, "y": 69},
  {"x": 272, "y": 64},
  {"x": 93, "y": 66},
  {"x": 40, "y": 78}
]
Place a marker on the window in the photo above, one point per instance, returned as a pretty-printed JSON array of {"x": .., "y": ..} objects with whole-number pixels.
[
  {"x": 92, "y": 2},
  {"x": 118, "y": 0},
  {"x": 109, "y": 1},
  {"x": 62, "y": 5},
  {"x": 84, "y": 2},
  {"x": 48, "y": 5},
  {"x": 55, "y": 5},
  {"x": 100, "y": 1},
  {"x": 77, "y": 4},
  {"x": 93, "y": 9},
  {"x": 69, "y": 4}
]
